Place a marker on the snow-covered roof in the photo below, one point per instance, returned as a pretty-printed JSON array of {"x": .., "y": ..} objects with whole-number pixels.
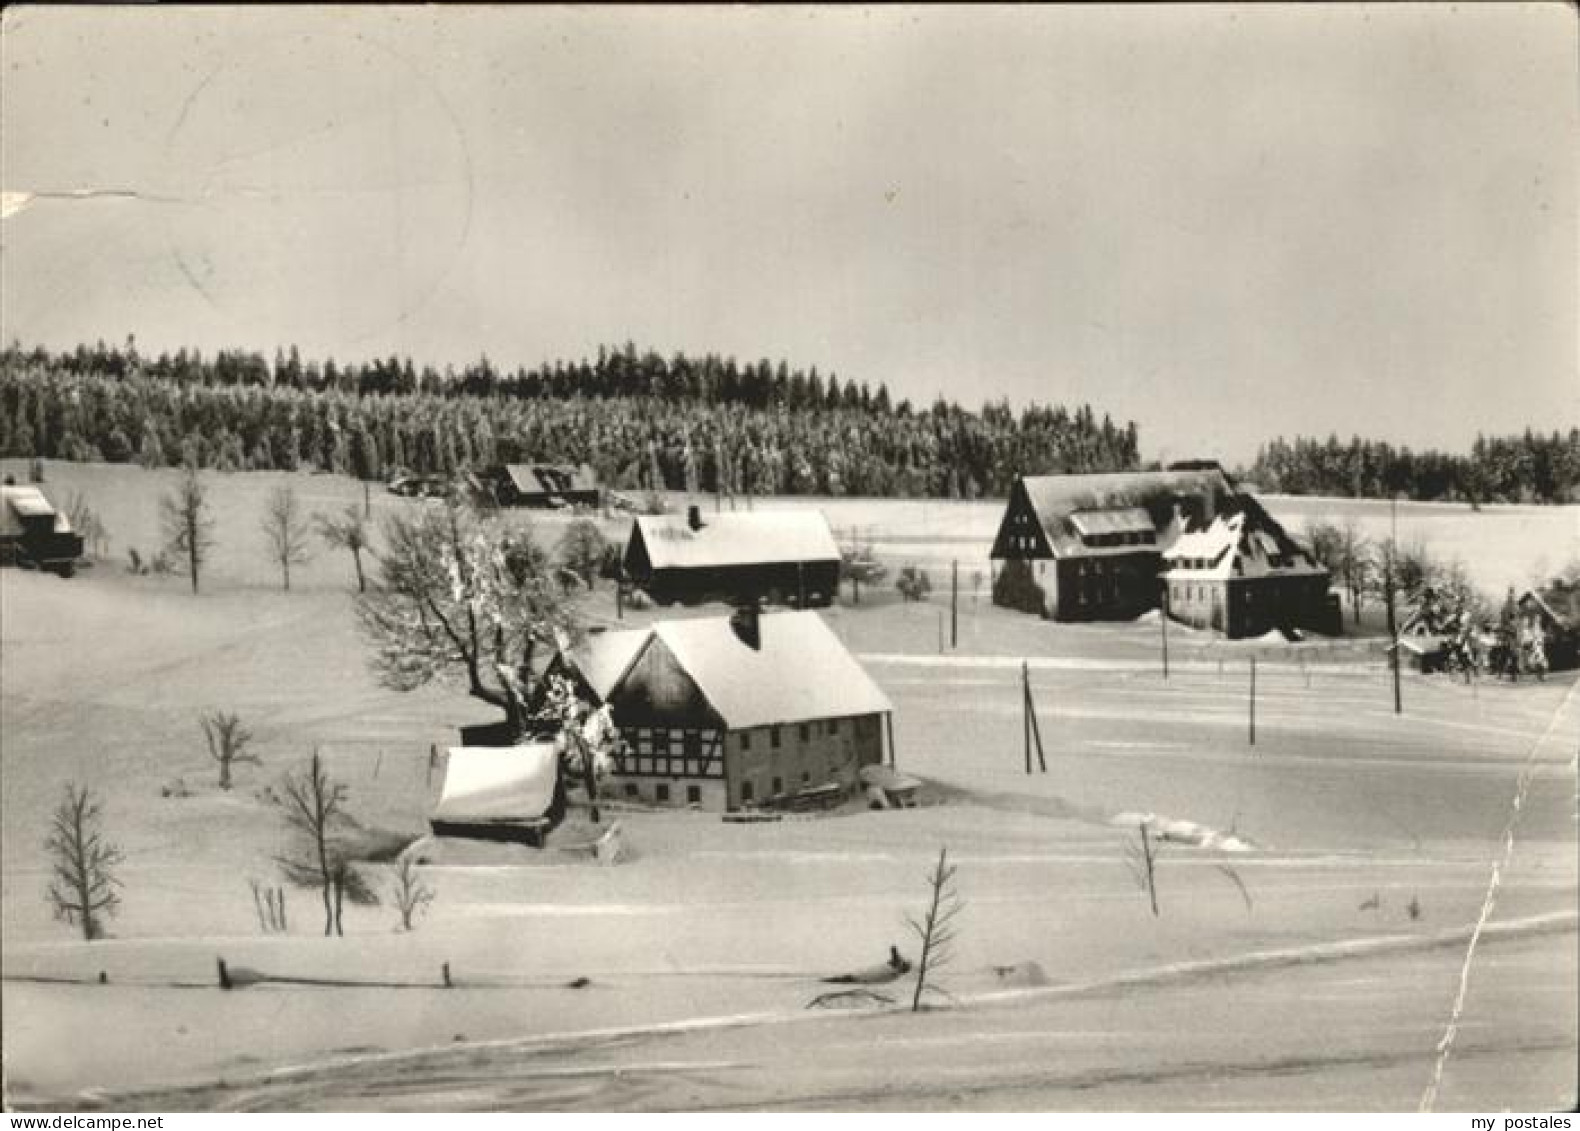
[
  {"x": 800, "y": 670},
  {"x": 736, "y": 539},
  {"x": 550, "y": 478},
  {"x": 1126, "y": 520},
  {"x": 1233, "y": 545},
  {"x": 27, "y": 501},
  {"x": 497, "y": 783},
  {"x": 1059, "y": 496}
]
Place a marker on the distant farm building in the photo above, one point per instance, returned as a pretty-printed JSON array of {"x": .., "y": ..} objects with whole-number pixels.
[
  {"x": 783, "y": 557},
  {"x": 732, "y": 712},
  {"x": 33, "y": 533},
  {"x": 543, "y": 485},
  {"x": 1554, "y": 612},
  {"x": 1101, "y": 546}
]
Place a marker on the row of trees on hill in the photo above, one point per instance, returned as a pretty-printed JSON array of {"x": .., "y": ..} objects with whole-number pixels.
[
  {"x": 95, "y": 405},
  {"x": 1529, "y": 468}
]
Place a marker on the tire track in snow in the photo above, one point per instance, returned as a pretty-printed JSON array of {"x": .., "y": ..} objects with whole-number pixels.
[{"x": 1521, "y": 789}]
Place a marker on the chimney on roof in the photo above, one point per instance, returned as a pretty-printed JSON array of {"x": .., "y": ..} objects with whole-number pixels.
[
  {"x": 746, "y": 623},
  {"x": 694, "y": 517}
]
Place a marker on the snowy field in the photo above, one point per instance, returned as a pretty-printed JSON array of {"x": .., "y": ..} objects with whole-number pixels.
[{"x": 1283, "y": 971}]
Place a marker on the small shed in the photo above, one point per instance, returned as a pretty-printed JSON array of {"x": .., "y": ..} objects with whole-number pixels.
[{"x": 497, "y": 793}]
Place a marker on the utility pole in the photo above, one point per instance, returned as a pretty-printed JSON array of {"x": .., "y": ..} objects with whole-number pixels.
[
  {"x": 1163, "y": 622},
  {"x": 1253, "y": 700},
  {"x": 1388, "y": 594},
  {"x": 954, "y": 604}
]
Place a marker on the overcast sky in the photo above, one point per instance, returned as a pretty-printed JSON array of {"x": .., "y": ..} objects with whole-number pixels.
[{"x": 1224, "y": 223}]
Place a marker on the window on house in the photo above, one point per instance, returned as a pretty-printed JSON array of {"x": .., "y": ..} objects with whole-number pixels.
[
  {"x": 693, "y": 795},
  {"x": 806, "y": 777},
  {"x": 630, "y": 789},
  {"x": 746, "y": 740},
  {"x": 833, "y": 726},
  {"x": 779, "y": 785},
  {"x": 773, "y": 737},
  {"x": 661, "y": 791},
  {"x": 806, "y": 733},
  {"x": 746, "y": 791}
]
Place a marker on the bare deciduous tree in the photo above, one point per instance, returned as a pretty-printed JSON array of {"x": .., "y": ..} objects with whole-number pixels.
[
  {"x": 285, "y": 528},
  {"x": 347, "y": 531},
  {"x": 84, "y": 889},
  {"x": 411, "y": 895},
  {"x": 936, "y": 930},
  {"x": 188, "y": 525},
  {"x": 314, "y": 807},
  {"x": 227, "y": 742}
]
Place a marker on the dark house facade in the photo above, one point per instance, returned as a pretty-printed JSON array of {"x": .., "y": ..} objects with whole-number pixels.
[
  {"x": 732, "y": 712},
  {"x": 1103, "y": 546},
  {"x": 543, "y": 485},
  {"x": 1089, "y": 547},
  {"x": 784, "y": 557},
  {"x": 33, "y": 533}
]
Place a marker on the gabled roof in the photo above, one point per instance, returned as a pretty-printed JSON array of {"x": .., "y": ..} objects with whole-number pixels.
[
  {"x": 1547, "y": 610},
  {"x": 1058, "y": 496},
  {"x": 1243, "y": 543},
  {"x": 736, "y": 539},
  {"x": 550, "y": 478},
  {"x": 800, "y": 671},
  {"x": 27, "y": 501},
  {"x": 497, "y": 783}
]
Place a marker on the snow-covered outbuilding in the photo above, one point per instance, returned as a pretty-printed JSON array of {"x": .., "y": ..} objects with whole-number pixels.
[
  {"x": 33, "y": 532},
  {"x": 733, "y": 711},
  {"x": 780, "y": 556}
]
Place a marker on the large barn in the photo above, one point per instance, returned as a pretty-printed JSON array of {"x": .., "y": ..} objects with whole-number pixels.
[
  {"x": 1101, "y": 546},
  {"x": 733, "y": 712},
  {"x": 784, "y": 557},
  {"x": 34, "y": 533}
]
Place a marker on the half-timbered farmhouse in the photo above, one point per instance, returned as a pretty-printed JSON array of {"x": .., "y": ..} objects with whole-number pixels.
[
  {"x": 1101, "y": 546},
  {"x": 733, "y": 712},
  {"x": 543, "y": 485},
  {"x": 784, "y": 557}
]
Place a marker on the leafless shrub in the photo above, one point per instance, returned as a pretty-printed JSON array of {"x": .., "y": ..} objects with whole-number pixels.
[
  {"x": 268, "y": 900},
  {"x": 227, "y": 742},
  {"x": 1141, "y": 857},
  {"x": 83, "y": 889},
  {"x": 936, "y": 930},
  {"x": 412, "y": 897}
]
